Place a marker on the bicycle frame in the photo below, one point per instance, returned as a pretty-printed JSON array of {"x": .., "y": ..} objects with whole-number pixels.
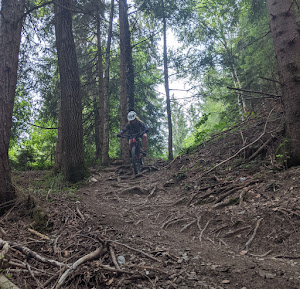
[{"x": 136, "y": 156}]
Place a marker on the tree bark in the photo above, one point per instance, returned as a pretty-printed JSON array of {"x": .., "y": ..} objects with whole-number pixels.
[
  {"x": 105, "y": 148},
  {"x": 100, "y": 88},
  {"x": 285, "y": 33},
  {"x": 72, "y": 165},
  {"x": 126, "y": 73},
  {"x": 166, "y": 74},
  {"x": 11, "y": 18}
]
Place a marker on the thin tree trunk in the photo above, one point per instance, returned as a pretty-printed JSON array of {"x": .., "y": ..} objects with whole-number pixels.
[
  {"x": 236, "y": 81},
  {"x": 11, "y": 16},
  {"x": 166, "y": 74},
  {"x": 58, "y": 150},
  {"x": 100, "y": 88},
  {"x": 285, "y": 33},
  {"x": 126, "y": 73},
  {"x": 72, "y": 165},
  {"x": 97, "y": 127},
  {"x": 105, "y": 148}
]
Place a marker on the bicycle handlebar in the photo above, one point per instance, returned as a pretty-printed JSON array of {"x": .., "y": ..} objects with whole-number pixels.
[{"x": 139, "y": 134}]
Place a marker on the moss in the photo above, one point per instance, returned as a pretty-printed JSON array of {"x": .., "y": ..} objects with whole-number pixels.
[
  {"x": 41, "y": 220},
  {"x": 283, "y": 152}
]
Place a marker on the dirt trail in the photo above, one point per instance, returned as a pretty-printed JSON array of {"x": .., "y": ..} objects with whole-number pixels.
[{"x": 202, "y": 247}]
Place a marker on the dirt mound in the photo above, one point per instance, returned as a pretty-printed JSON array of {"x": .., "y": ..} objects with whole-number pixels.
[{"x": 225, "y": 215}]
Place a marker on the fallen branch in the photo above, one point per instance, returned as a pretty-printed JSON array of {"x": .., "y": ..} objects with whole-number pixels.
[
  {"x": 260, "y": 149},
  {"x": 30, "y": 253},
  {"x": 42, "y": 236},
  {"x": 239, "y": 151},
  {"x": 253, "y": 91},
  {"x": 254, "y": 234},
  {"x": 91, "y": 256}
]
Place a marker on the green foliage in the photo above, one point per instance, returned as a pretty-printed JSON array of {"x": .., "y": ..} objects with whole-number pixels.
[
  {"x": 21, "y": 114},
  {"x": 214, "y": 119},
  {"x": 35, "y": 151}
]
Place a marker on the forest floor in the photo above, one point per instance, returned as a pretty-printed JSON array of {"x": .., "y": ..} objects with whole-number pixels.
[{"x": 225, "y": 215}]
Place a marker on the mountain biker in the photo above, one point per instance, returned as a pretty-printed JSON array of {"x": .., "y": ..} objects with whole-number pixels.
[{"x": 134, "y": 126}]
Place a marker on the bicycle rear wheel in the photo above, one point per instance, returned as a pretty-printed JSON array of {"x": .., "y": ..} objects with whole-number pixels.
[{"x": 135, "y": 160}]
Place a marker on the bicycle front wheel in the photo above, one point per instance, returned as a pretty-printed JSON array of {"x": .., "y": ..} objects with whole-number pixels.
[{"x": 135, "y": 160}]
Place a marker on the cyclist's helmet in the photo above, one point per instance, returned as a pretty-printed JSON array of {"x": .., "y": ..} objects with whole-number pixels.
[{"x": 131, "y": 115}]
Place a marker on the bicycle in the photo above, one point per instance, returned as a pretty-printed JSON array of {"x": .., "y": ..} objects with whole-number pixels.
[{"x": 136, "y": 155}]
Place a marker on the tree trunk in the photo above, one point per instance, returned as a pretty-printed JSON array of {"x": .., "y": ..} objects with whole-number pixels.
[
  {"x": 105, "y": 148},
  {"x": 285, "y": 33},
  {"x": 166, "y": 74},
  {"x": 126, "y": 73},
  {"x": 100, "y": 88},
  {"x": 11, "y": 18},
  {"x": 97, "y": 127},
  {"x": 72, "y": 165}
]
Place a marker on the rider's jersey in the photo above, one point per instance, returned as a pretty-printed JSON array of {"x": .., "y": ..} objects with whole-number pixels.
[{"x": 133, "y": 128}]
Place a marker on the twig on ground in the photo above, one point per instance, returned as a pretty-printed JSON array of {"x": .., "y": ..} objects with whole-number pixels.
[
  {"x": 254, "y": 234},
  {"x": 167, "y": 220},
  {"x": 78, "y": 211},
  {"x": 262, "y": 255},
  {"x": 188, "y": 225},
  {"x": 180, "y": 201},
  {"x": 152, "y": 193},
  {"x": 113, "y": 256},
  {"x": 223, "y": 242},
  {"x": 201, "y": 233},
  {"x": 42, "y": 236},
  {"x": 39, "y": 285},
  {"x": 172, "y": 222},
  {"x": 232, "y": 233},
  {"x": 136, "y": 250}
]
